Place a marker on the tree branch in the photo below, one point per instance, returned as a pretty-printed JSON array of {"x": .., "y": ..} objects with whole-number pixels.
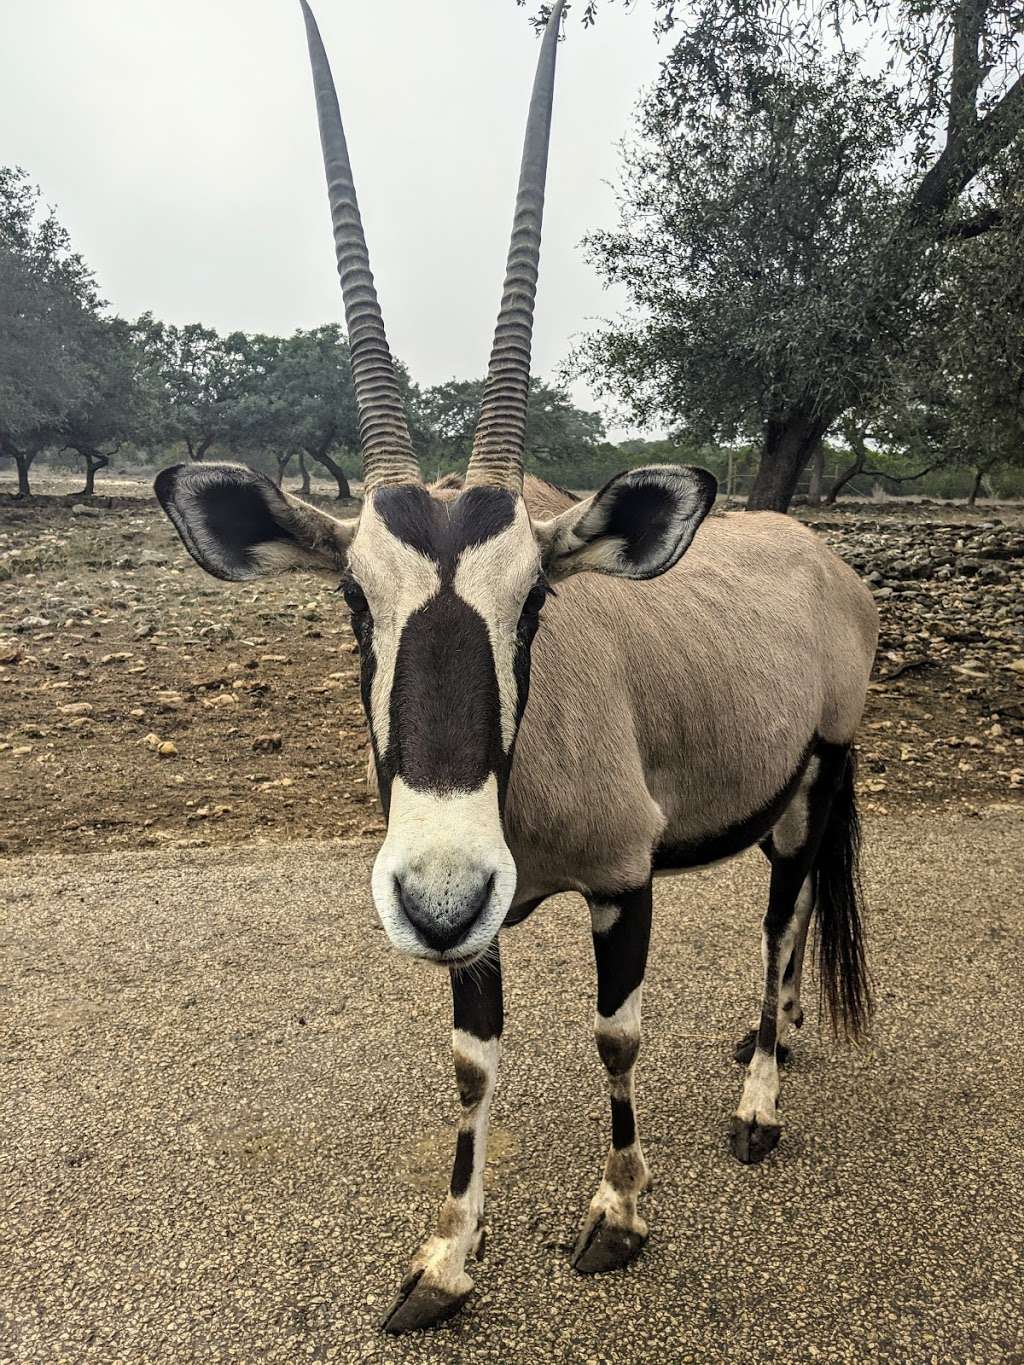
[
  {"x": 966, "y": 154},
  {"x": 973, "y": 227},
  {"x": 901, "y": 478},
  {"x": 965, "y": 72}
]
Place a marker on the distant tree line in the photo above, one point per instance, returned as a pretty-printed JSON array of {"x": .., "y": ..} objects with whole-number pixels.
[
  {"x": 750, "y": 279},
  {"x": 78, "y": 382}
]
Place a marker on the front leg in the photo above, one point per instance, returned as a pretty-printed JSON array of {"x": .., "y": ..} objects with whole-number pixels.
[
  {"x": 437, "y": 1284},
  {"x": 613, "y": 1232}
]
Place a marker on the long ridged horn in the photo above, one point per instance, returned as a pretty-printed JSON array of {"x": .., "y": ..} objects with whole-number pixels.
[
  {"x": 500, "y": 437},
  {"x": 388, "y": 455}
]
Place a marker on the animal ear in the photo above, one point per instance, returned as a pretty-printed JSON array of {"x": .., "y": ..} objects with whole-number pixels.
[
  {"x": 636, "y": 526},
  {"x": 236, "y": 524}
]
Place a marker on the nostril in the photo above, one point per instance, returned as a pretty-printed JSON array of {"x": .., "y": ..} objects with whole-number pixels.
[
  {"x": 442, "y": 929},
  {"x": 481, "y": 900}
]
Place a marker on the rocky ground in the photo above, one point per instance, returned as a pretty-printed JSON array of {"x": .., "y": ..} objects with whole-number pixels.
[{"x": 143, "y": 704}]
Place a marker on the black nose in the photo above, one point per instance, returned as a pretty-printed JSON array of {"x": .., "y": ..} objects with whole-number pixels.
[{"x": 442, "y": 929}]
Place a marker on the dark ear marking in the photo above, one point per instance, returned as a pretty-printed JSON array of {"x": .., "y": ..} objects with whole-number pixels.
[
  {"x": 219, "y": 520},
  {"x": 237, "y": 525},
  {"x": 637, "y": 526}
]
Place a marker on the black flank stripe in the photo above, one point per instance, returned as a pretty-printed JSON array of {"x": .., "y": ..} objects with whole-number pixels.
[{"x": 740, "y": 835}]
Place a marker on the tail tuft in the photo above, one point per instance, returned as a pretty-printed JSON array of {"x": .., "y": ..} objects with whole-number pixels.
[{"x": 842, "y": 966}]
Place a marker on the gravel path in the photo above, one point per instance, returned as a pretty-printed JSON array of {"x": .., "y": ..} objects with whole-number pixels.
[{"x": 224, "y": 1101}]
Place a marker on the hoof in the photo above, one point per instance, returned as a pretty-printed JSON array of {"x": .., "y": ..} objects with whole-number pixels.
[
  {"x": 751, "y": 1141},
  {"x": 744, "y": 1052},
  {"x": 420, "y": 1304},
  {"x": 603, "y": 1246}
]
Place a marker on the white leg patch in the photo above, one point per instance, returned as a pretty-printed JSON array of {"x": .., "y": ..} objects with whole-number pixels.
[
  {"x": 790, "y": 1012},
  {"x": 603, "y": 918},
  {"x": 790, "y": 831},
  {"x": 760, "y": 1090}
]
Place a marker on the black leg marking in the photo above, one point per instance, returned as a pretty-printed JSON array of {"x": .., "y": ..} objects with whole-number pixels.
[
  {"x": 613, "y": 1232},
  {"x": 462, "y": 1170},
  {"x": 437, "y": 1284},
  {"x": 744, "y": 1050},
  {"x": 623, "y": 1124},
  {"x": 795, "y": 841},
  {"x": 477, "y": 1004}
]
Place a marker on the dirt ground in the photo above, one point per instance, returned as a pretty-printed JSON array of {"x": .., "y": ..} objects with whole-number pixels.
[{"x": 143, "y": 704}]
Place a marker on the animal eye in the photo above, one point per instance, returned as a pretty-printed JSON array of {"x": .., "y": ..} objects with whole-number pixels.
[{"x": 354, "y": 597}]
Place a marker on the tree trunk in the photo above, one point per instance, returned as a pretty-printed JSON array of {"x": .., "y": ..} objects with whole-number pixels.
[
  {"x": 860, "y": 455},
  {"x": 979, "y": 474},
  {"x": 304, "y": 486},
  {"x": 788, "y": 445},
  {"x": 817, "y": 476},
  {"x": 23, "y": 463},
  {"x": 321, "y": 457},
  {"x": 283, "y": 462},
  {"x": 197, "y": 449},
  {"x": 94, "y": 461}
]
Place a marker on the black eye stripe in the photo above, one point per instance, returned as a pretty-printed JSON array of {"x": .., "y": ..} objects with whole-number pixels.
[{"x": 353, "y": 594}]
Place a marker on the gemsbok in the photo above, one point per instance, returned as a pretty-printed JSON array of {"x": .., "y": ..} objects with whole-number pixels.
[{"x": 689, "y": 689}]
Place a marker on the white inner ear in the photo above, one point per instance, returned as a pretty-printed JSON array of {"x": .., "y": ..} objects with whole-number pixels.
[
  {"x": 279, "y": 556},
  {"x": 559, "y": 539}
]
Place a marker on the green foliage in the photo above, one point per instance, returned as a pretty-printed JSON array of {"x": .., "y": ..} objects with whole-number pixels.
[
  {"x": 976, "y": 379},
  {"x": 295, "y": 395},
  {"x": 952, "y": 59},
  {"x": 860, "y": 184},
  {"x": 563, "y": 442},
  {"x": 48, "y": 301},
  {"x": 959, "y": 399},
  {"x": 201, "y": 377},
  {"x": 122, "y": 400},
  {"x": 751, "y": 245}
]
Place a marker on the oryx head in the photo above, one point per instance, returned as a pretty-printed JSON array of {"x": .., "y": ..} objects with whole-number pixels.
[{"x": 445, "y": 592}]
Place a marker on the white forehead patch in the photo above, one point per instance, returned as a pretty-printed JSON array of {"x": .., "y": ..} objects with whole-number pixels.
[
  {"x": 494, "y": 578},
  {"x": 397, "y": 581}
]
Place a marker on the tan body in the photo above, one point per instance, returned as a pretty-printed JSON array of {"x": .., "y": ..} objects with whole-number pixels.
[{"x": 666, "y": 711}]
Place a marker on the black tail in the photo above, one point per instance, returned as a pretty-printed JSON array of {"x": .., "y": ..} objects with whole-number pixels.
[{"x": 842, "y": 967}]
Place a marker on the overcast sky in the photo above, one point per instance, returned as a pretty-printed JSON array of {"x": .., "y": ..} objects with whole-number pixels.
[{"x": 178, "y": 142}]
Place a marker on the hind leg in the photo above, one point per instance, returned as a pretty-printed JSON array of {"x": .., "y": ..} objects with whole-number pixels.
[
  {"x": 795, "y": 841},
  {"x": 790, "y": 1014}
]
